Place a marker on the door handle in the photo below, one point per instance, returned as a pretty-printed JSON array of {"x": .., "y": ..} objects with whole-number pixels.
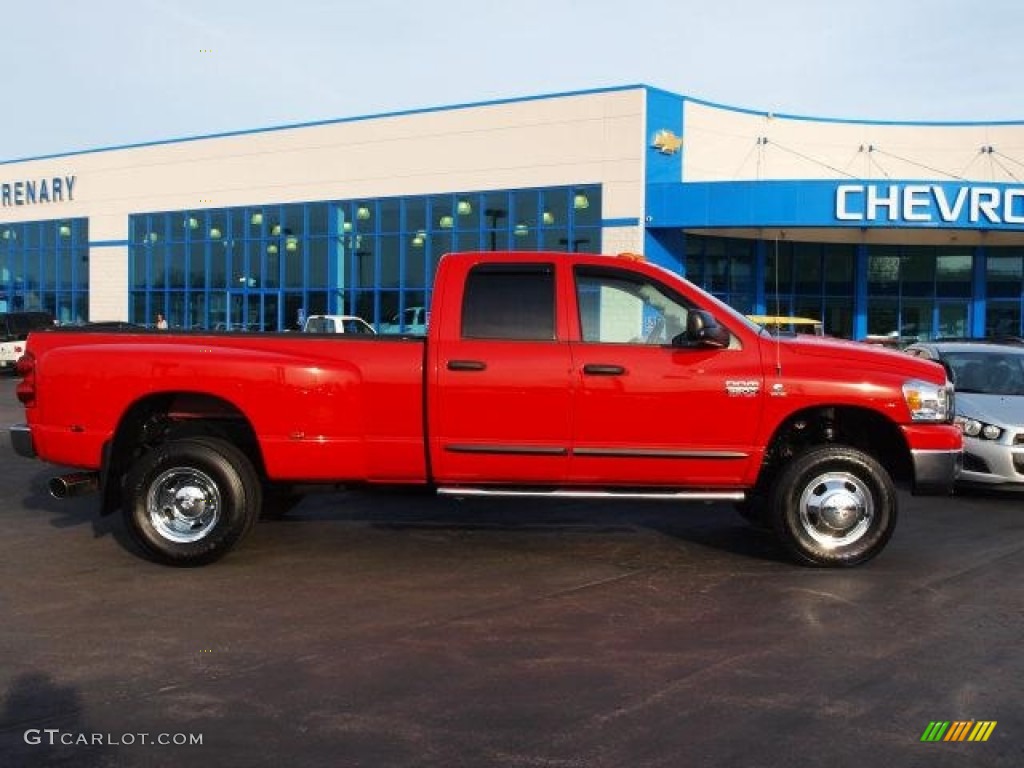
[
  {"x": 466, "y": 365},
  {"x": 599, "y": 369}
]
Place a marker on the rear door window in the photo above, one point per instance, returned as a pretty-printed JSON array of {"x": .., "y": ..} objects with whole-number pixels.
[{"x": 510, "y": 301}]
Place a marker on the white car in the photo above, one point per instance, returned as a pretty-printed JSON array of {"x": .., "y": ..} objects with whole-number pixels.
[
  {"x": 988, "y": 381},
  {"x": 337, "y": 324},
  {"x": 10, "y": 351},
  {"x": 14, "y": 329}
]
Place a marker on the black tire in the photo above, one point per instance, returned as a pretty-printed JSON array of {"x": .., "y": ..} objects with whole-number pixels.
[
  {"x": 833, "y": 506},
  {"x": 189, "y": 501}
]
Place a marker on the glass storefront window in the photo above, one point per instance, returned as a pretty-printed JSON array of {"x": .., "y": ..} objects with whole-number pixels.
[
  {"x": 1004, "y": 273},
  {"x": 415, "y": 263},
  {"x": 555, "y": 239},
  {"x": 807, "y": 268},
  {"x": 554, "y": 207},
  {"x": 390, "y": 261},
  {"x": 469, "y": 241},
  {"x": 256, "y": 264},
  {"x": 175, "y": 263},
  {"x": 293, "y": 260},
  {"x": 839, "y": 267},
  {"x": 883, "y": 316},
  {"x": 1003, "y": 318},
  {"x": 390, "y": 215},
  {"x": 953, "y": 320},
  {"x": 468, "y": 214},
  {"x": 916, "y": 318},
  {"x": 917, "y": 271},
  {"x": 318, "y": 261},
  {"x": 883, "y": 270},
  {"x": 586, "y": 206},
  {"x": 525, "y": 213},
  {"x": 318, "y": 222},
  {"x": 364, "y": 264},
  {"x": 953, "y": 274},
  {"x": 442, "y": 213},
  {"x": 416, "y": 215}
]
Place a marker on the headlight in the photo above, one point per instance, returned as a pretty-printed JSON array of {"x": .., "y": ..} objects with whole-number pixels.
[
  {"x": 975, "y": 428},
  {"x": 991, "y": 432},
  {"x": 927, "y": 401}
]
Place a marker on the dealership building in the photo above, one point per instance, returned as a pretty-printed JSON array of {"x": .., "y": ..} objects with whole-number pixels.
[{"x": 874, "y": 227}]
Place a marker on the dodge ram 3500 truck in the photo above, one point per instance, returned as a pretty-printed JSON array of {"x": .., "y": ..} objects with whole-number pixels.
[{"x": 541, "y": 374}]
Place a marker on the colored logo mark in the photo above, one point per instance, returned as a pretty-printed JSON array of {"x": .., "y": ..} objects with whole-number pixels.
[
  {"x": 667, "y": 142},
  {"x": 958, "y": 730}
]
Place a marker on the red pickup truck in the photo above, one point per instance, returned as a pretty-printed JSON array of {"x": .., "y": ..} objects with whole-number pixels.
[{"x": 541, "y": 374}]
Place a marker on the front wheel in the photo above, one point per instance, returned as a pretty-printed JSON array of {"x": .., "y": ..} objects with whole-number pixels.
[
  {"x": 189, "y": 501},
  {"x": 833, "y": 506}
]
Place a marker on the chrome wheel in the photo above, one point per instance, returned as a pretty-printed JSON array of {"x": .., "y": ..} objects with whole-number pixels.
[
  {"x": 835, "y": 509},
  {"x": 183, "y": 504}
]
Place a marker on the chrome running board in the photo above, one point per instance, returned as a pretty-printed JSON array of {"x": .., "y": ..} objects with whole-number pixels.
[{"x": 582, "y": 494}]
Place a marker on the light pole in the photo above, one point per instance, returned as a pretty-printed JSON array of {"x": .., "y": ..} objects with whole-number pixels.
[{"x": 494, "y": 214}]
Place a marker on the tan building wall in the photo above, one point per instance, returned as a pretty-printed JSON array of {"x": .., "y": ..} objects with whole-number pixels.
[
  {"x": 722, "y": 144},
  {"x": 595, "y": 138}
]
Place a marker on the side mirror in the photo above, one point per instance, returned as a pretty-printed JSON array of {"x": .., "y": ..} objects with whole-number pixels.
[{"x": 702, "y": 330}]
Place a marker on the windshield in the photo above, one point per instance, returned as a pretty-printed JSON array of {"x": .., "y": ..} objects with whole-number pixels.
[{"x": 987, "y": 372}]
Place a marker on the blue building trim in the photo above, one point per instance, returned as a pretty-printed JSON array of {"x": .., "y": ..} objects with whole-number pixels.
[
  {"x": 622, "y": 222},
  {"x": 860, "y": 293},
  {"x": 663, "y": 163},
  {"x": 979, "y": 293},
  {"x": 666, "y": 248},
  {"x": 107, "y": 243}
]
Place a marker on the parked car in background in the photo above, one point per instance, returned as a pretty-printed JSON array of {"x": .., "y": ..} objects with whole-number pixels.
[
  {"x": 988, "y": 380},
  {"x": 14, "y": 329},
  {"x": 349, "y": 324},
  {"x": 411, "y": 320},
  {"x": 789, "y": 326}
]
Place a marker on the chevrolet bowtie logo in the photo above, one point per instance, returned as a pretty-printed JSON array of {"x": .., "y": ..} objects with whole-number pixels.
[{"x": 667, "y": 142}]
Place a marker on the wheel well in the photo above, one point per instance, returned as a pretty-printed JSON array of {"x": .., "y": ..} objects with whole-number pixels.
[
  {"x": 860, "y": 428},
  {"x": 158, "y": 418}
]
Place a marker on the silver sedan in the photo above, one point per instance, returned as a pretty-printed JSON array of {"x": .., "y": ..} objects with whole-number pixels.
[{"x": 989, "y": 384}]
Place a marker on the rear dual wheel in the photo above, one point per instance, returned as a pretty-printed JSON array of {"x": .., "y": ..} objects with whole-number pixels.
[{"x": 189, "y": 501}]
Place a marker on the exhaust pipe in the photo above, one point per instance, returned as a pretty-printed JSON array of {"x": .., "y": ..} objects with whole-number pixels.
[{"x": 74, "y": 484}]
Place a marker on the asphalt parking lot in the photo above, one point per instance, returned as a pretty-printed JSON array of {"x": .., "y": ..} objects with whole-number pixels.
[{"x": 404, "y": 630}]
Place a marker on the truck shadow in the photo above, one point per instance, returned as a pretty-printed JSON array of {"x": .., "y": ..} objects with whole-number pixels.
[{"x": 715, "y": 526}]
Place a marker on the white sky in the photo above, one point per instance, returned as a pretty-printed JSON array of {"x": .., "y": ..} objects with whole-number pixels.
[{"x": 82, "y": 75}]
